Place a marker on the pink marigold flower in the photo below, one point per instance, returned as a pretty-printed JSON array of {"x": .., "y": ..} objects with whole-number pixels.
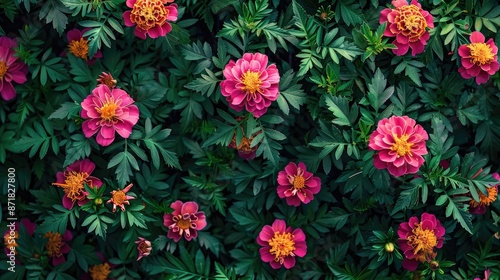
[
  {"x": 151, "y": 17},
  {"x": 185, "y": 220},
  {"x": 11, "y": 68},
  {"x": 479, "y": 207},
  {"x": 120, "y": 198},
  {"x": 409, "y": 24},
  {"x": 143, "y": 247},
  {"x": 108, "y": 110},
  {"x": 400, "y": 145},
  {"x": 281, "y": 244},
  {"x": 297, "y": 185},
  {"x": 486, "y": 275},
  {"x": 419, "y": 239},
  {"x": 72, "y": 181},
  {"x": 107, "y": 79},
  {"x": 479, "y": 59},
  {"x": 57, "y": 245},
  {"x": 251, "y": 84},
  {"x": 79, "y": 45},
  {"x": 10, "y": 236}
]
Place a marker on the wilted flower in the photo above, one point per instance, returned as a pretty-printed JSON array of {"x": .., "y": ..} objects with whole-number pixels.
[
  {"x": 120, "y": 198},
  {"x": 408, "y": 23},
  {"x": 244, "y": 148},
  {"x": 479, "y": 59},
  {"x": 107, "y": 79},
  {"x": 57, "y": 245},
  {"x": 72, "y": 181},
  {"x": 100, "y": 271},
  {"x": 297, "y": 185},
  {"x": 185, "y": 220},
  {"x": 251, "y": 84},
  {"x": 281, "y": 244},
  {"x": 12, "y": 69},
  {"x": 151, "y": 17},
  {"x": 400, "y": 145},
  {"x": 106, "y": 111},
  {"x": 479, "y": 207},
  {"x": 79, "y": 45},
  {"x": 419, "y": 239},
  {"x": 11, "y": 240},
  {"x": 143, "y": 247}
]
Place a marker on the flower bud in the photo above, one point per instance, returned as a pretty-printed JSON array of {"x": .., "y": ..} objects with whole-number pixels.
[
  {"x": 434, "y": 265},
  {"x": 389, "y": 247},
  {"x": 98, "y": 201}
]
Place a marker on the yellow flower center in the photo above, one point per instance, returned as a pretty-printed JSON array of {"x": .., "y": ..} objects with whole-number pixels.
[
  {"x": 3, "y": 69},
  {"x": 54, "y": 244},
  {"x": 107, "y": 79},
  {"x": 73, "y": 184},
  {"x": 143, "y": 247},
  {"x": 401, "y": 145},
  {"x": 100, "y": 271},
  {"x": 481, "y": 53},
  {"x": 251, "y": 82},
  {"x": 149, "y": 13},
  {"x": 184, "y": 223},
  {"x": 119, "y": 197},
  {"x": 485, "y": 200},
  {"x": 7, "y": 237},
  {"x": 282, "y": 245},
  {"x": 108, "y": 110},
  {"x": 79, "y": 48},
  {"x": 422, "y": 241},
  {"x": 298, "y": 182},
  {"x": 410, "y": 22}
]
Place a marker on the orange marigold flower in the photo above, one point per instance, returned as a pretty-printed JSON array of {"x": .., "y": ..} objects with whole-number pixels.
[
  {"x": 57, "y": 245},
  {"x": 150, "y": 17},
  {"x": 10, "y": 236},
  {"x": 100, "y": 271},
  {"x": 143, "y": 247},
  {"x": 107, "y": 79},
  {"x": 479, "y": 207},
  {"x": 120, "y": 198}
]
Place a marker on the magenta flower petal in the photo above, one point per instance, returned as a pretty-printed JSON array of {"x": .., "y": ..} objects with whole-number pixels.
[
  {"x": 479, "y": 59},
  {"x": 155, "y": 25},
  {"x": 12, "y": 69},
  {"x": 185, "y": 221}
]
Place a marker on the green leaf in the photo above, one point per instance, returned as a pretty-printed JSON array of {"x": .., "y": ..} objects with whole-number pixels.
[
  {"x": 66, "y": 110},
  {"x": 339, "y": 106},
  {"x": 378, "y": 94}
]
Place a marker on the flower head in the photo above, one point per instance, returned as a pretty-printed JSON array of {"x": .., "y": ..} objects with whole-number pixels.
[
  {"x": 120, "y": 198},
  {"x": 150, "y": 17},
  {"x": 479, "y": 207},
  {"x": 11, "y": 240},
  {"x": 108, "y": 111},
  {"x": 409, "y": 24},
  {"x": 281, "y": 244},
  {"x": 478, "y": 59},
  {"x": 297, "y": 185},
  {"x": 100, "y": 271},
  {"x": 245, "y": 149},
  {"x": 185, "y": 220},
  {"x": 78, "y": 45},
  {"x": 251, "y": 84},
  {"x": 72, "y": 181},
  {"x": 12, "y": 69},
  {"x": 143, "y": 247},
  {"x": 486, "y": 275},
  {"x": 107, "y": 79},
  {"x": 400, "y": 145},
  {"x": 419, "y": 239},
  {"x": 57, "y": 245}
]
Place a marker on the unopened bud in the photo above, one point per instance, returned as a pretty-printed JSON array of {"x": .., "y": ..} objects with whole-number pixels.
[
  {"x": 389, "y": 247},
  {"x": 98, "y": 201},
  {"x": 434, "y": 265}
]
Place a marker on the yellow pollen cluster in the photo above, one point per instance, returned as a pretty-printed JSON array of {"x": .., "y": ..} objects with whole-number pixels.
[
  {"x": 184, "y": 223},
  {"x": 108, "y": 110},
  {"x": 100, "y": 271},
  {"x": 485, "y": 200},
  {"x": 422, "y": 241},
  {"x": 73, "y": 184},
  {"x": 401, "y": 145},
  {"x": 54, "y": 244},
  {"x": 79, "y": 48},
  {"x": 481, "y": 53},
  {"x": 410, "y": 22},
  {"x": 251, "y": 82},
  {"x": 119, "y": 197},
  {"x": 3, "y": 69},
  {"x": 149, "y": 13},
  {"x": 282, "y": 245},
  {"x": 298, "y": 182}
]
